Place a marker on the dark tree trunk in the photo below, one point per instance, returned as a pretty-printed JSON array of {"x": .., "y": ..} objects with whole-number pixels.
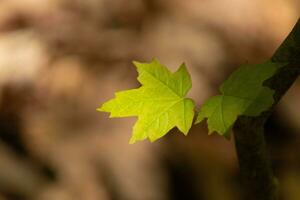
[{"x": 256, "y": 173}]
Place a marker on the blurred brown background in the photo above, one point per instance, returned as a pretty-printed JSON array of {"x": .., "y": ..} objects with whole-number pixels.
[{"x": 61, "y": 59}]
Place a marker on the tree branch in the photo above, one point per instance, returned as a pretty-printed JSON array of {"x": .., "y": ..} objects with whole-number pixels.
[{"x": 255, "y": 167}]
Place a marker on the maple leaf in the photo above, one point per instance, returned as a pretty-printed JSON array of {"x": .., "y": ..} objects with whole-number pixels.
[
  {"x": 243, "y": 93},
  {"x": 160, "y": 103}
]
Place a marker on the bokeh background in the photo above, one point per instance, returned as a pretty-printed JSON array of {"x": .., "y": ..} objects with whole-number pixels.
[{"x": 61, "y": 59}]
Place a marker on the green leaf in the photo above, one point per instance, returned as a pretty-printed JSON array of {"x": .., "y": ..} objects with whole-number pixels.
[
  {"x": 160, "y": 102},
  {"x": 242, "y": 93}
]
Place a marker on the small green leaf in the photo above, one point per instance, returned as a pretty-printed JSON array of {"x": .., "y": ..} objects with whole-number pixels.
[
  {"x": 243, "y": 93},
  {"x": 160, "y": 102}
]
